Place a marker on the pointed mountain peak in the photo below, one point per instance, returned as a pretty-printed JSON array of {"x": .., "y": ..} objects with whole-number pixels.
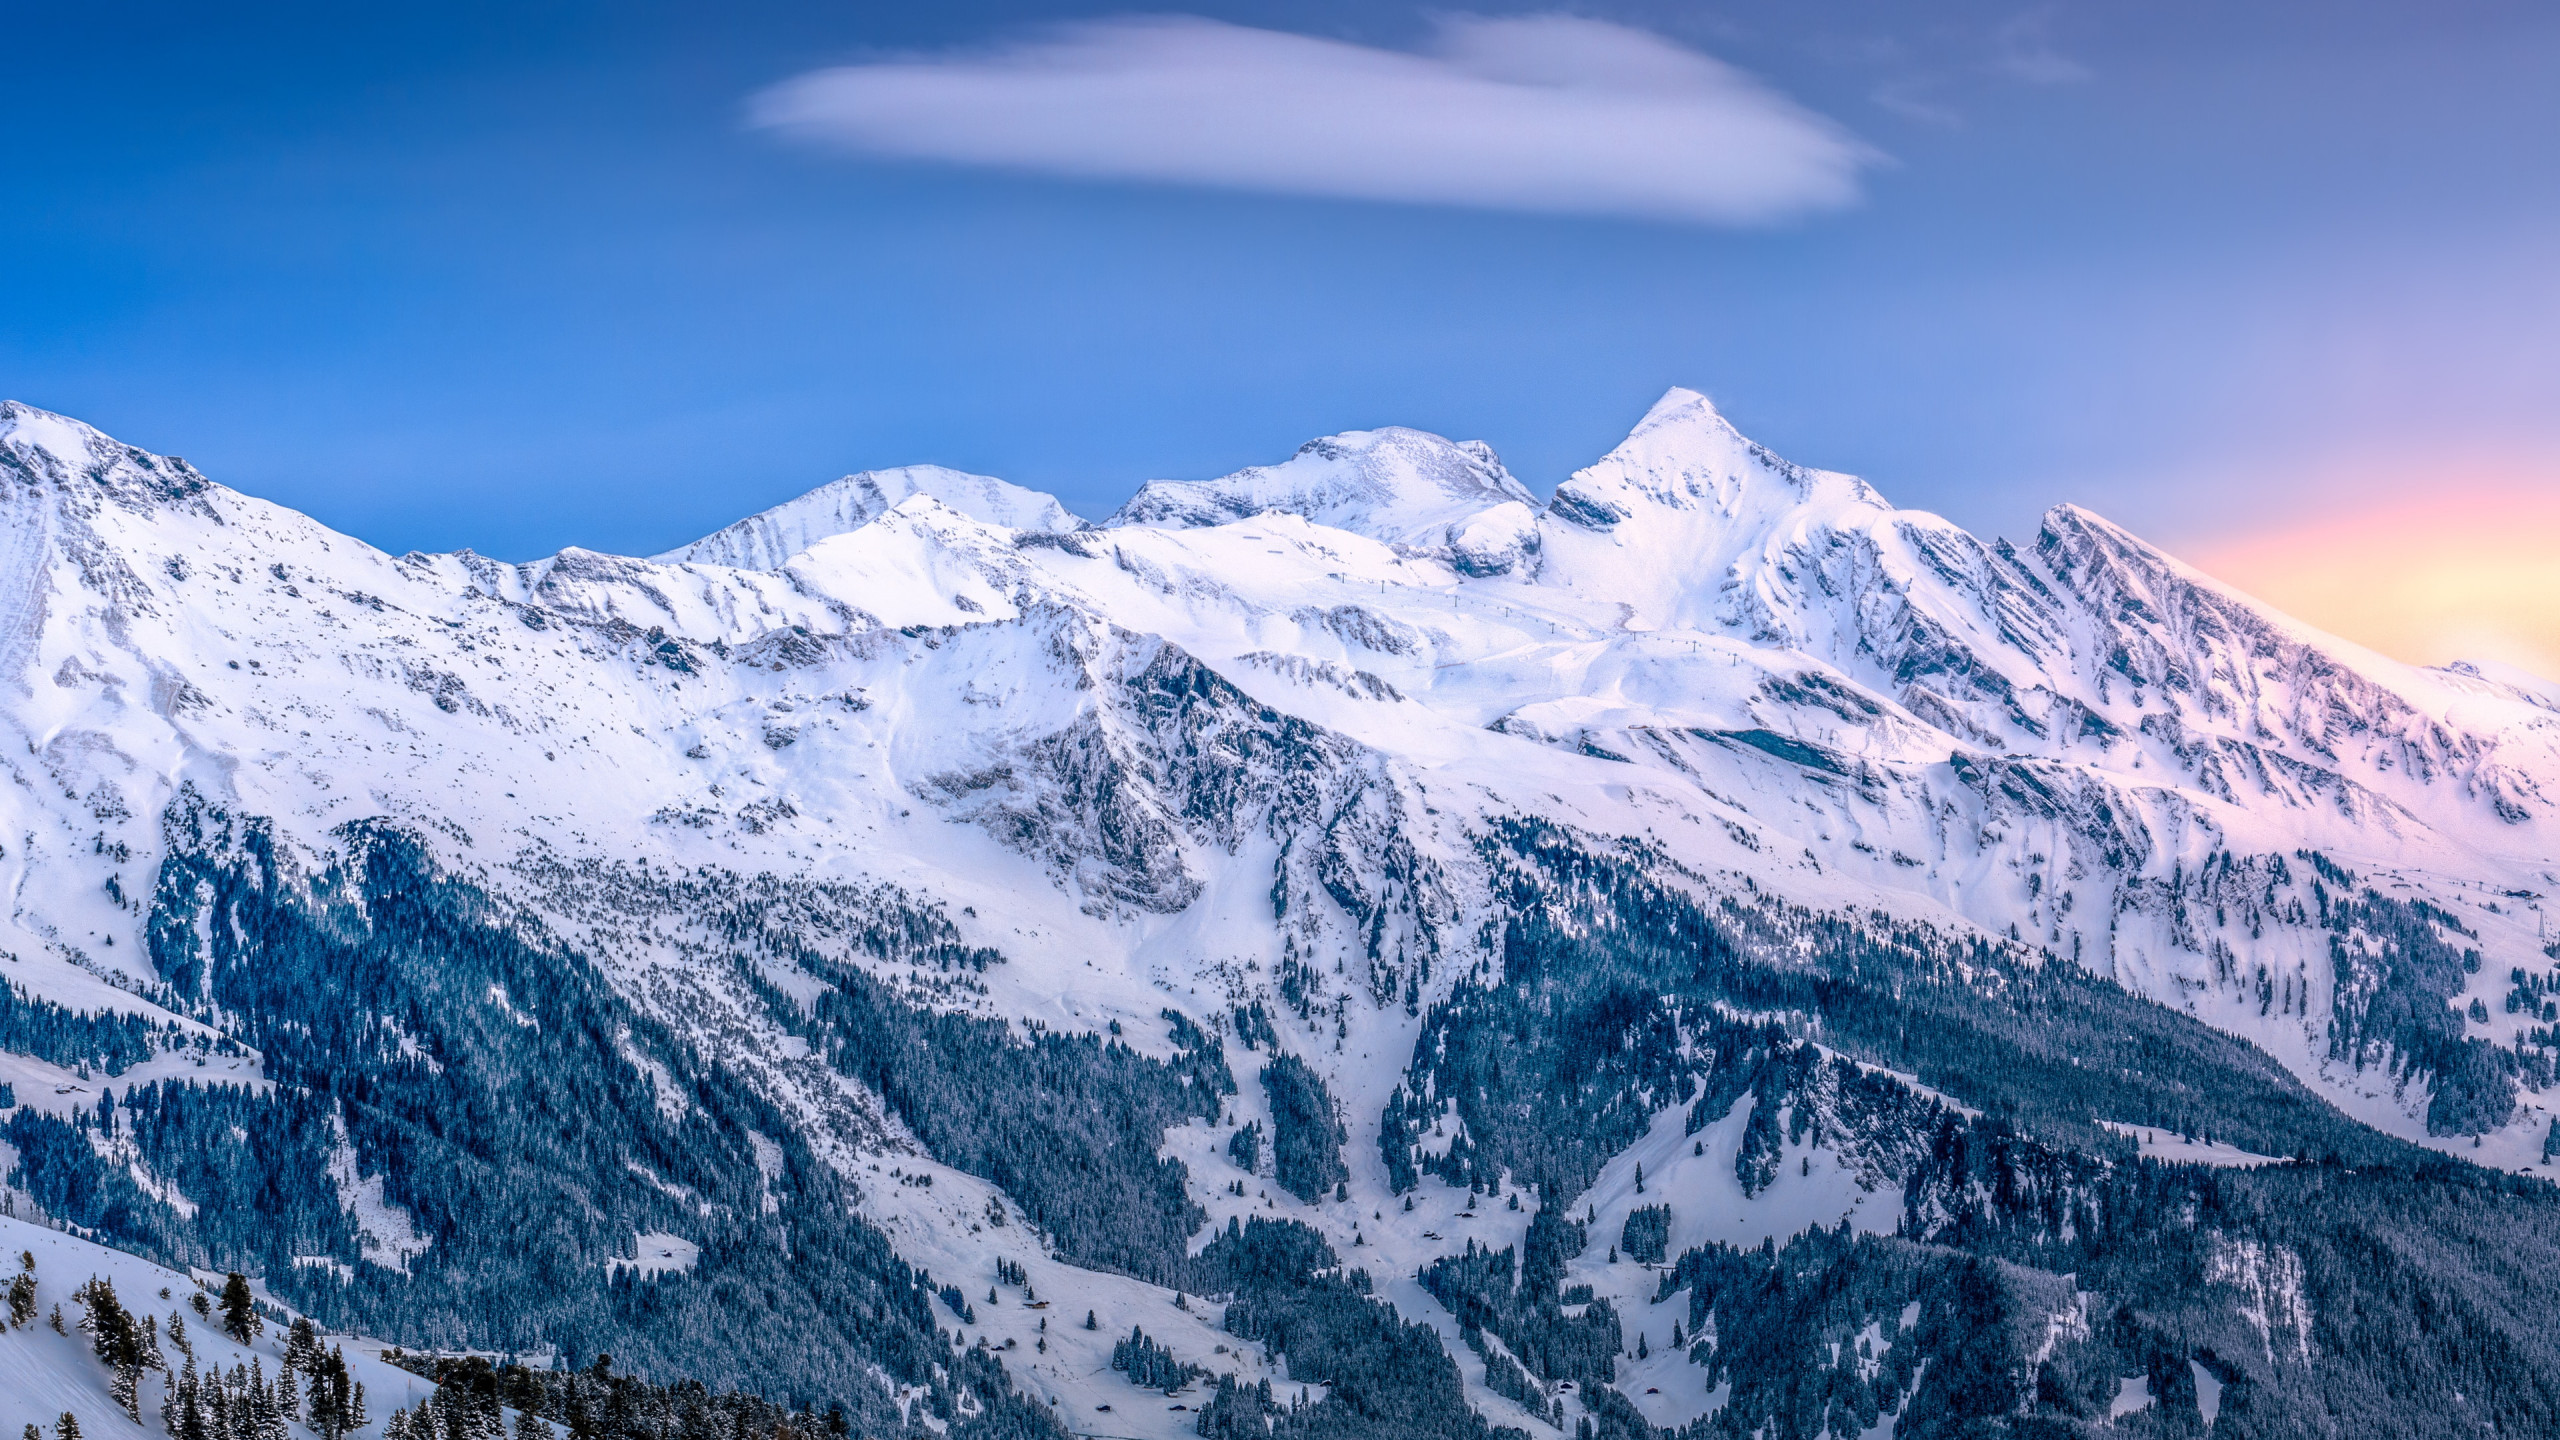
[
  {"x": 1685, "y": 455},
  {"x": 1681, "y": 405},
  {"x": 765, "y": 540},
  {"x": 1401, "y": 486}
]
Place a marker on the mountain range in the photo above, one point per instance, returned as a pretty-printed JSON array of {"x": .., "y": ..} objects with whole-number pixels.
[{"x": 1342, "y": 949}]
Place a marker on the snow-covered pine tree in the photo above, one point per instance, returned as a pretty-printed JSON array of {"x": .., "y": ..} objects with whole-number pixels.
[
  {"x": 266, "y": 1414},
  {"x": 183, "y": 1411},
  {"x": 240, "y": 1318}
]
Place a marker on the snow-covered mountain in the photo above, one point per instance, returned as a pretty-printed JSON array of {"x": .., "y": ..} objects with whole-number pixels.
[
  {"x": 768, "y": 539},
  {"x": 1414, "y": 490},
  {"x": 912, "y": 892}
]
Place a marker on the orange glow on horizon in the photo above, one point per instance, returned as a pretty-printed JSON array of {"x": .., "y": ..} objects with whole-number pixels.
[{"x": 2464, "y": 573}]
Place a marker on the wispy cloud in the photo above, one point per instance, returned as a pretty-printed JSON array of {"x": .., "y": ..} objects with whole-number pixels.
[
  {"x": 2023, "y": 49},
  {"x": 1553, "y": 114}
]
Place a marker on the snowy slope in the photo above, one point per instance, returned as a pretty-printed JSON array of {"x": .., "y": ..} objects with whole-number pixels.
[
  {"x": 763, "y": 541},
  {"x": 1405, "y": 487},
  {"x": 1255, "y": 723},
  {"x": 44, "y": 1375}
]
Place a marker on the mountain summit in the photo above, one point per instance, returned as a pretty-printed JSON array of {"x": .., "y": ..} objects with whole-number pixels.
[{"x": 763, "y": 541}]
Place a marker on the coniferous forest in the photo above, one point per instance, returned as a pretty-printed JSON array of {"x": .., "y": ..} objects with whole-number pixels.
[{"x": 2359, "y": 1262}]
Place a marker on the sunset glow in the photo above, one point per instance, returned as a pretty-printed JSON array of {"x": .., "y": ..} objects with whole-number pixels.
[{"x": 2469, "y": 573}]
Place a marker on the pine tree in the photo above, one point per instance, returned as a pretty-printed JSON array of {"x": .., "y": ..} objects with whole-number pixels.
[
  {"x": 240, "y": 1318},
  {"x": 266, "y": 1414},
  {"x": 302, "y": 1346},
  {"x": 332, "y": 1401},
  {"x": 182, "y": 1413},
  {"x": 324, "y": 1403},
  {"x": 1088, "y": 1321},
  {"x": 22, "y": 1300},
  {"x": 529, "y": 1426},
  {"x": 68, "y": 1427}
]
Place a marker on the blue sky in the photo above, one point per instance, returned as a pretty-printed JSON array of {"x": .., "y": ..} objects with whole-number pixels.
[{"x": 521, "y": 276}]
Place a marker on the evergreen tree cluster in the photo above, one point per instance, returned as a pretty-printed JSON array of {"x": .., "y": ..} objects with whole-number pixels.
[
  {"x": 77, "y": 1040},
  {"x": 2396, "y": 968},
  {"x": 2537, "y": 995},
  {"x": 1619, "y": 993},
  {"x": 1067, "y": 1124},
  {"x": 2395, "y": 1292},
  {"x": 1307, "y": 1133},
  {"x": 127, "y": 1347},
  {"x": 1816, "y": 1329},
  {"x": 1524, "y": 1307},
  {"x": 1245, "y": 1146},
  {"x": 22, "y": 1292},
  {"x": 1149, "y": 1365},
  {"x": 368, "y": 988},
  {"x": 474, "y": 1393},
  {"x": 1254, "y": 1028},
  {"x": 1646, "y": 1237},
  {"x": 256, "y": 1162},
  {"x": 1505, "y": 1377},
  {"x": 1237, "y": 1412},
  {"x": 1389, "y": 1379}
]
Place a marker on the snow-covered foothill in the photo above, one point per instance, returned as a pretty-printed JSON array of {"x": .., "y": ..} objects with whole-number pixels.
[{"x": 44, "y": 1375}]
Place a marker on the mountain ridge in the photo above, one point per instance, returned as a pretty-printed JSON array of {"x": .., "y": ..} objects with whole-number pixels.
[{"x": 1127, "y": 812}]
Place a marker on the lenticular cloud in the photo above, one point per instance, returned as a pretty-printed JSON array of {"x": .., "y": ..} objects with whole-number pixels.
[{"x": 1550, "y": 114}]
